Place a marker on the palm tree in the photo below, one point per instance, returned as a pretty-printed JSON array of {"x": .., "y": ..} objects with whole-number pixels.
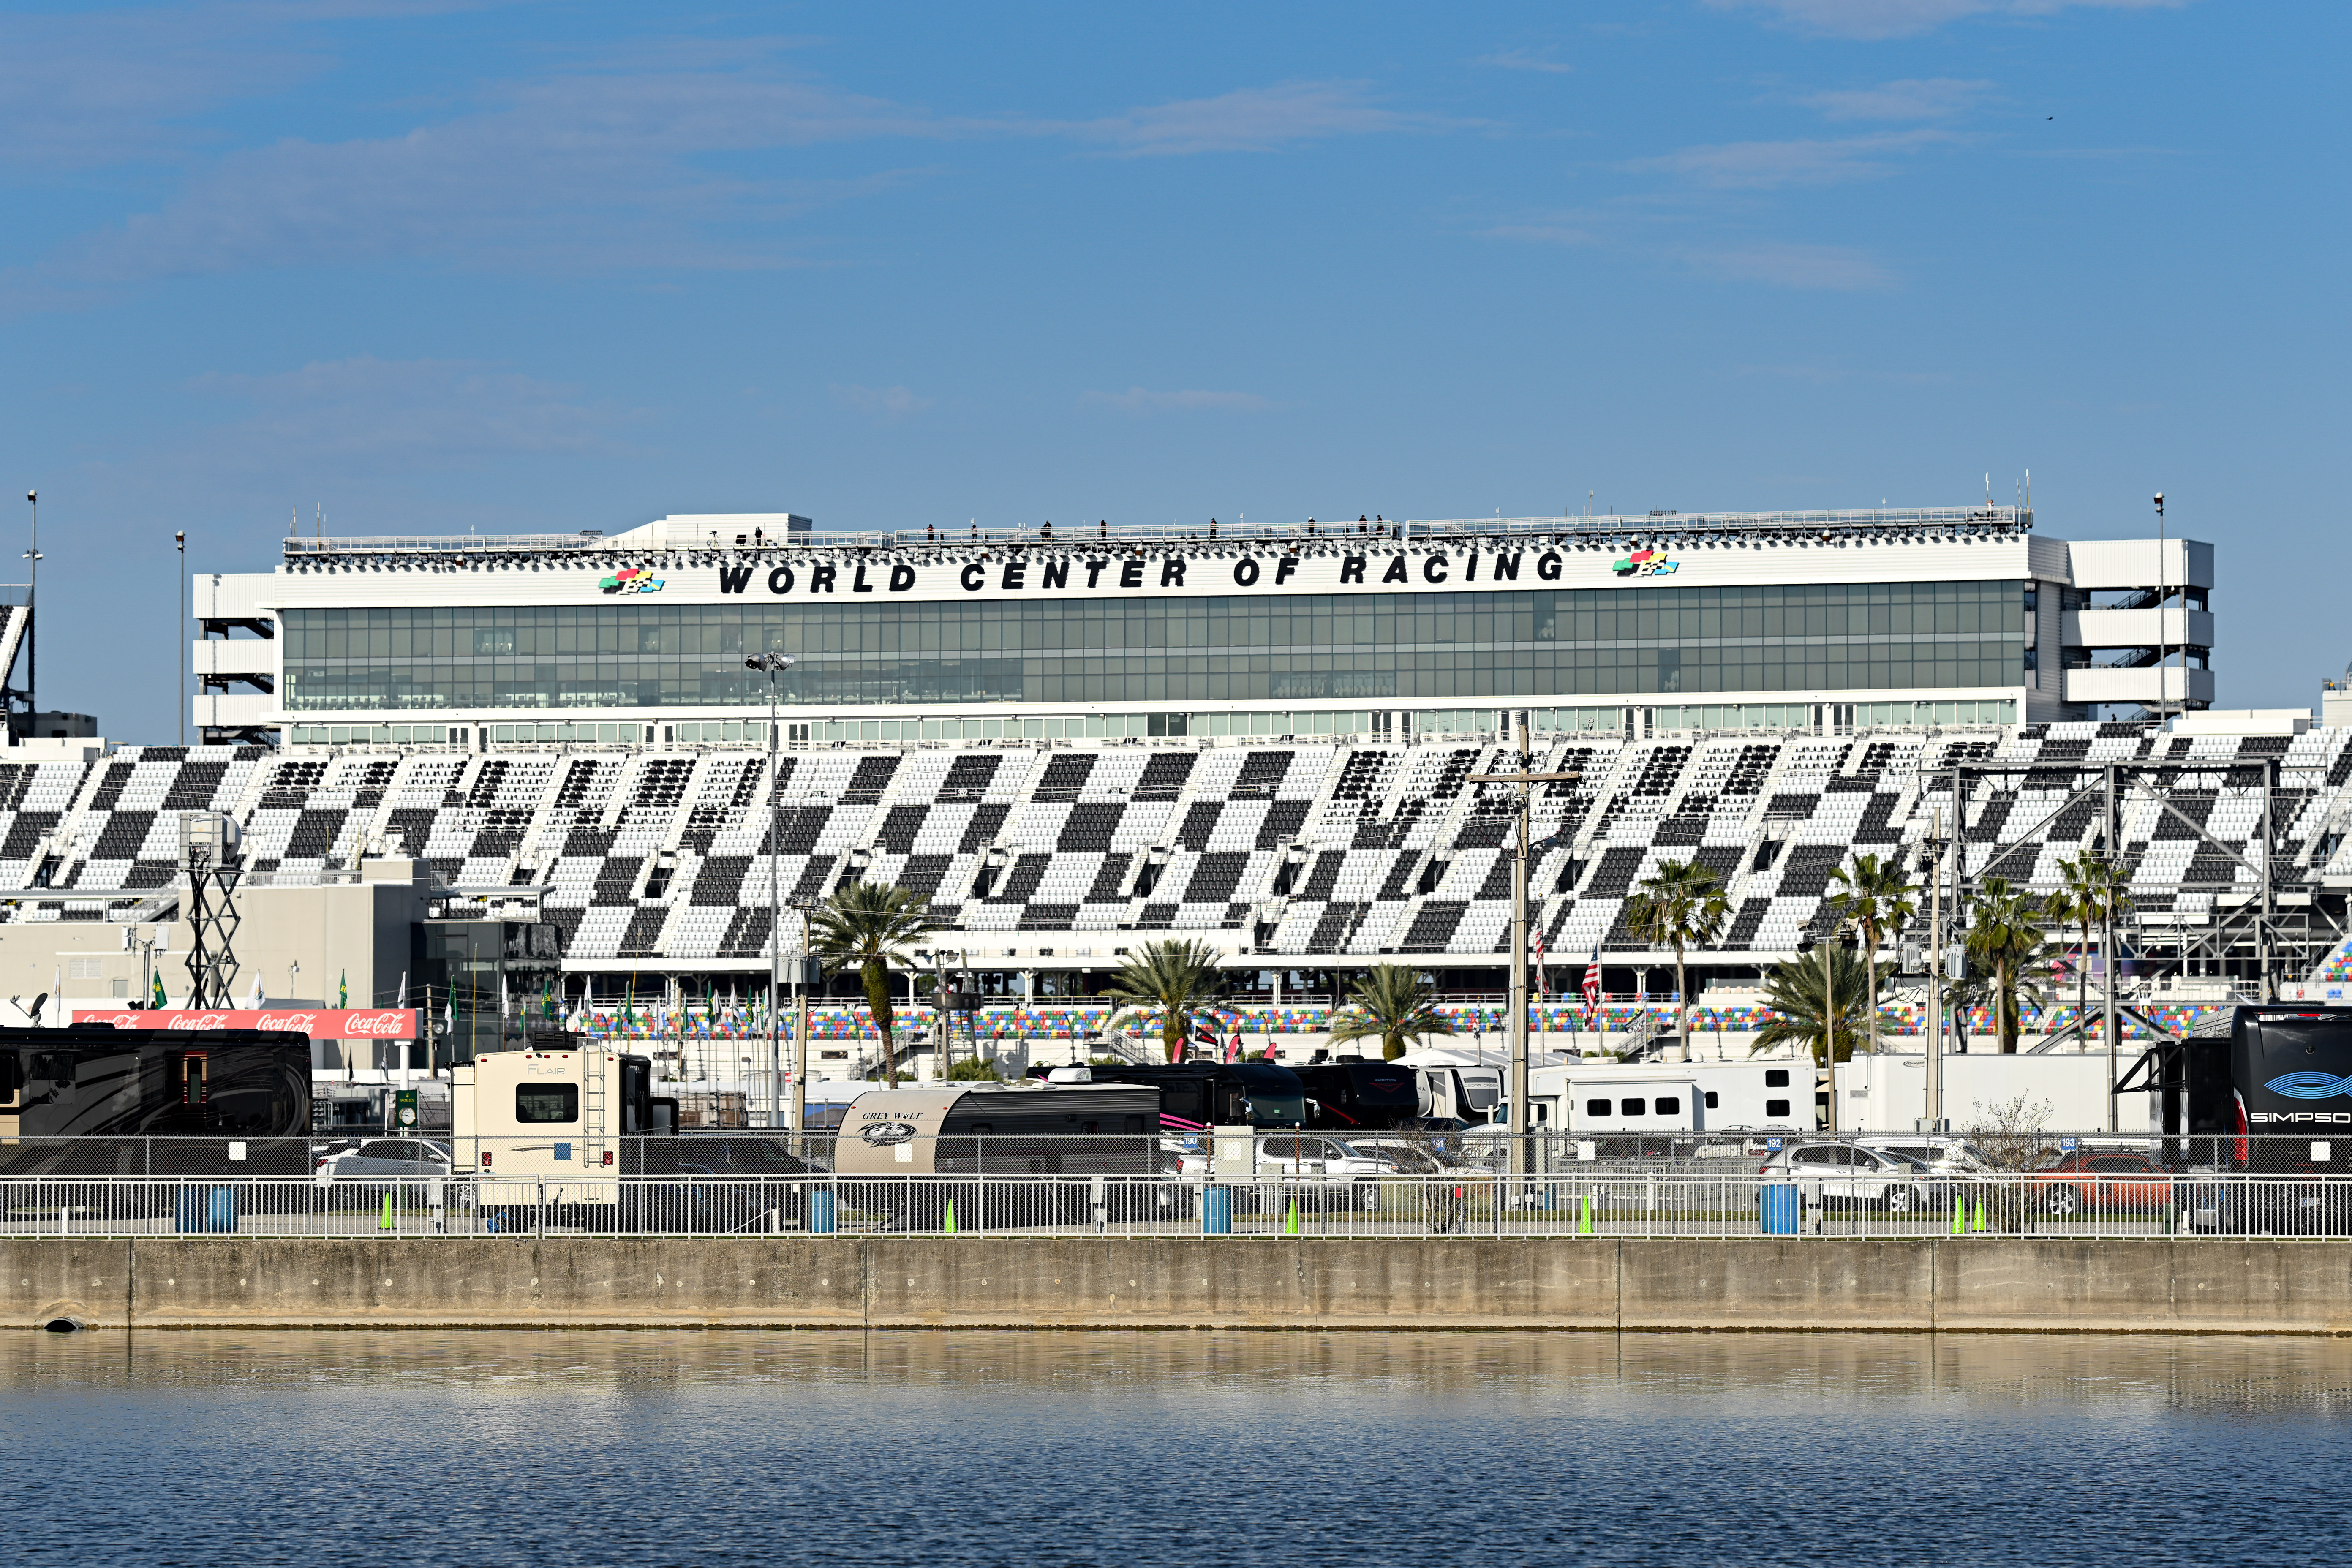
[
  {"x": 866, "y": 926},
  {"x": 2006, "y": 935},
  {"x": 1812, "y": 998},
  {"x": 1680, "y": 905},
  {"x": 1393, "y": 1004},
  {"x": 1877, "y": 902},
  {"x": 1173, "y": 979},
  {"x": 2094, "y": 895}
]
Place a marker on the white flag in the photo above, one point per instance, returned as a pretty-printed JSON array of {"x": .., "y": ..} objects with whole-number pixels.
[{"x": 403, "y": 1002}]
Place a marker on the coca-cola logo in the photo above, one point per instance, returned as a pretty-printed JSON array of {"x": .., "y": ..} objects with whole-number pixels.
[{"x": 379, "y": 1024}]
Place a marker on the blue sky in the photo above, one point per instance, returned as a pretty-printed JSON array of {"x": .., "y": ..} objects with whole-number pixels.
[{"x": 437, "y": 267}]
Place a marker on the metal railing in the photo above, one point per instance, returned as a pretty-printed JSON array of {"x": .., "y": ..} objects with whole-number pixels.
[{"x": 1557, "y": 1207}]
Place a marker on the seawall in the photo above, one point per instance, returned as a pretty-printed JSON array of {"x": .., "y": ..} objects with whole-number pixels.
[{"x": 1979, "y": 1284}]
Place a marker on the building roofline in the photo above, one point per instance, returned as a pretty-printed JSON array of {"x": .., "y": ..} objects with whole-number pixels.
[{"x": 1884, "y": 524}]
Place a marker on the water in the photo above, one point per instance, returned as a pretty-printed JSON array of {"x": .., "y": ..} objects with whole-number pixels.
[{"x": 1194, "y": 1448}]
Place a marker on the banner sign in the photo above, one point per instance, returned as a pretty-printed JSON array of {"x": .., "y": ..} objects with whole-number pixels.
[{"x": 319, "y": 1023}]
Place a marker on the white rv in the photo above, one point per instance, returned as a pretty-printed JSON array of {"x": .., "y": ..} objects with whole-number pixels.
[{"x": 554, "y": 1115}]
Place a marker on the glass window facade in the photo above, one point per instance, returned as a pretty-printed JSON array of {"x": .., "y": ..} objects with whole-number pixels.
[{"x": 1834, "y": 636}]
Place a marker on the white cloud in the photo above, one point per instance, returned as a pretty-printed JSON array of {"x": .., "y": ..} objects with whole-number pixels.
[
  {"x": 1521, "y": 60},
  {"x": 1761, "y": 165},
  {"x": 1932, "y": 97},
  {"x": 365, "y": 411},
  {"x": 1904, "y": 18},
  {"x": 881, "y": 402},
  {"x": 1252, "y": 120},
  {"x": 612, "y": 170},
  {"x": 1793, "y": 266},
  {"x": 1139, "y": 400},
  {"x": 84, "y": 90}
]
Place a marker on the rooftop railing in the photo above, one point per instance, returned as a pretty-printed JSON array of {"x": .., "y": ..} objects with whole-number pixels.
[{"x": 1771, "y": 526}]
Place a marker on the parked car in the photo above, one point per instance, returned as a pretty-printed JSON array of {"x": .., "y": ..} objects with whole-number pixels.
[
  {"x": 2103, "y": 1182},
  {"x": 386, "y": 1160},
  {"x": 1855, "y": 1176},
  {"x": 1944, "y": 1156}
]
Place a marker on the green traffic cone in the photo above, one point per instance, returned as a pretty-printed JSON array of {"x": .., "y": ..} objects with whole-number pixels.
[
  {"x": 385, "y": 1222},
  {"x": 951, "y": 1230},
  {"x": 1979, "y": 1224},
  {"x": 1959, "y": 1213},
  {"x": 1290, "y": 1219},
  {"x": 1584, "y": 1215}
]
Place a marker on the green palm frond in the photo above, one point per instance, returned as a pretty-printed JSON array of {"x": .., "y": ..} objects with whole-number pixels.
[
  {"x": 866, "y": 926},
  {"x": 1392, "y": 1004},
  {"x": 1173, "y": 979}
]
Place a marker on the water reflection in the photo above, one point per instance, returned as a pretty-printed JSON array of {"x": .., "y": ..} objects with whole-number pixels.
[{"x": 1194, "y": 1449}]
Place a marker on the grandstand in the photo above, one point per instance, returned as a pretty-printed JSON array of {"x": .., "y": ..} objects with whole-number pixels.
[{"x": 1053, "y": 861}]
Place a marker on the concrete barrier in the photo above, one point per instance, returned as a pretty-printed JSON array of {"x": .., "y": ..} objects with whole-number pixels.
[{"x": 1974, "y": 1284}]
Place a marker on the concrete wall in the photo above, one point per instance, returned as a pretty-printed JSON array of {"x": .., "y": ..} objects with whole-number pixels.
[{"x": 1968, "y": 1284}]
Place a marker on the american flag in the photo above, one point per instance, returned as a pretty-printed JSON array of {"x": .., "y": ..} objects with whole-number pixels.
[
  {"x": 1540, "y": 992},
  {"x": 1591, "y": 987}
]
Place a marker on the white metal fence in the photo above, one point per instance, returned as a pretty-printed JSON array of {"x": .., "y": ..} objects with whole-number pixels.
[{"x": 1564, "y": 1208}]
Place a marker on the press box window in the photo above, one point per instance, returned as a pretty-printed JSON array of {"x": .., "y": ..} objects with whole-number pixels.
[
  {"x": 1670, "y": 1105},
  {"x": 1596, "y": 1108},
  {"x": 545, "y": 1102},
  {"x": 1634, "y": 1106},
  {"x": 1776, "y": 1108},
  {"x": 1776, "y": 1078}
]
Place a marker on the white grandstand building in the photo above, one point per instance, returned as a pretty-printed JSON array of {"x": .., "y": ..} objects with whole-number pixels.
[{"x": 1077, "y": 740}]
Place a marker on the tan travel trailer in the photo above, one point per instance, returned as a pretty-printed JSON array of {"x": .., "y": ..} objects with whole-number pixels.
[{"x": 556, "y": 1115}]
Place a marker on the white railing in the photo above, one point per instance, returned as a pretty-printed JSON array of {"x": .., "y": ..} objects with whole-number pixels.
[{"x": 1559, "y": 1205}]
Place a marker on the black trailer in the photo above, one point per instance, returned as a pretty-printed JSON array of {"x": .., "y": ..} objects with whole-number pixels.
[
  {"x": 2272, "y": 1099},
  {"x": 1196, "y": 1096},
  {"x": 81, "y": 1099},
  {"x": 1353, "y": 1094}
]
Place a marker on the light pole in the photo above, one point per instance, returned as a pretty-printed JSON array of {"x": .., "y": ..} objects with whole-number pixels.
[
  {"x": 1526, "y": 778},
  {"x": 179, "y": 686},
  {"x": 2163, "y": 687},
  {"x": 774, "y": 665},
  {"x": 32, "y": 615}
]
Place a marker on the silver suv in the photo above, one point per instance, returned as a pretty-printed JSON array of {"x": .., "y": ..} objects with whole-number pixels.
[{"x": 1852, "y": 1176}]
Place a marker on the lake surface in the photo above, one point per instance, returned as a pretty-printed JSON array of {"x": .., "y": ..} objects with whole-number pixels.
[{"x": 1191, "y": 1448}]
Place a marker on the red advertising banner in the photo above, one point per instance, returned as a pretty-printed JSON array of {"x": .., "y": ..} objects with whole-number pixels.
[{"x": 319, "y": 1023}]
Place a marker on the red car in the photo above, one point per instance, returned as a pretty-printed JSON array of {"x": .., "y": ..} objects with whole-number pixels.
[{"x": 2105, "y": 1182}]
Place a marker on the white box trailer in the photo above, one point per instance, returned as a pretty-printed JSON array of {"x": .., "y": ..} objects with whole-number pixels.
[
  {"x": 2058, "y": 1092},
  {"x": 1587, "y": 1098}
]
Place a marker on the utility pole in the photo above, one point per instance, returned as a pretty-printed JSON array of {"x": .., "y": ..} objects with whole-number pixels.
[
  {"x": 1526, "y": 779},
  {"x": 800, "y": 1029},
  {"x": 2108, "y": 828},
  {"x": 774, "y": 665},
  {"x": 1935, "y": 1118}
]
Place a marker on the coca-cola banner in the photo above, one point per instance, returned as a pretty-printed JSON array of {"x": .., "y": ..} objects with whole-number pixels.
[{"x": 319, "y": 1023}]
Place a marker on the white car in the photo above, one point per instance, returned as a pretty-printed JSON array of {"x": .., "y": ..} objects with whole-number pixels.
[
  {"x": 1852, "y": 1176},
  {"x": 1942, "y": 1154},
  {"x": 386, "y": 1161}
]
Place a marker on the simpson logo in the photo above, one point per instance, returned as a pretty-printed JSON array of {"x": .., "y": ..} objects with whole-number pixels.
[
  {"x": 1644, "y": 564},
  {"x": 631, "y": 580}
]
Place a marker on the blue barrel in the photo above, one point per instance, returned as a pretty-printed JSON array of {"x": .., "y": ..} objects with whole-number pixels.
[
  {"x": 1779, "y": 1209},
  {"x": 820, "y": 1211},
  {"x": 1217, "y": 1211},
  {"x": 205, "y": 1211}
]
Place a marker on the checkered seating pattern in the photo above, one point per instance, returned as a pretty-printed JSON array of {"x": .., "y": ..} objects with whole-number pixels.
[{"x": 1307, "y": 847}]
